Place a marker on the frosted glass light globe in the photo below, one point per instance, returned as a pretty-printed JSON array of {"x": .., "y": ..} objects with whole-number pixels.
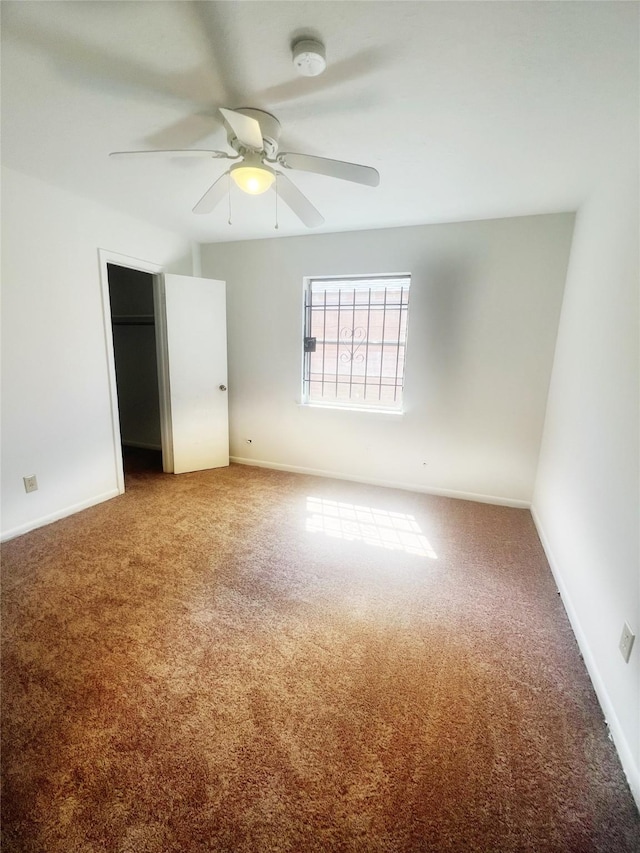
[{"x": 253, "y": 179}]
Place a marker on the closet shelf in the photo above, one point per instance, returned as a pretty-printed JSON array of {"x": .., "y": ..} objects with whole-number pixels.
[{"x": 133, "y": 320}]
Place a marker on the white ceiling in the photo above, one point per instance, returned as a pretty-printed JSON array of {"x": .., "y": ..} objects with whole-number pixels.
[{"x": 468, "y": 109}]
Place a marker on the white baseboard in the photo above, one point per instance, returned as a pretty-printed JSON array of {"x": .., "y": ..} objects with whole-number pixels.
[
  {"x": 56, "y": 516},
  {"x": 629, "y": 765},
  {"x": 410, "y": 487}
]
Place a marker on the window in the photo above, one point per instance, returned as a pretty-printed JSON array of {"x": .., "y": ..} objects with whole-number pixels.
[{"x": 355, "y": 335}]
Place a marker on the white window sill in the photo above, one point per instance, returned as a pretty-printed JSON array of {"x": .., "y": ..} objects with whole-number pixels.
[{"x": 367, "y": 410}]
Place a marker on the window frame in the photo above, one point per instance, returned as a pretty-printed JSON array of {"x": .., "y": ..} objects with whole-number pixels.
[{"x": 350, "y": 404}]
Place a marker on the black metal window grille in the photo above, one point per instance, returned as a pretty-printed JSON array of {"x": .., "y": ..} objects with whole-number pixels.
[{"x": 355, "y": 336}]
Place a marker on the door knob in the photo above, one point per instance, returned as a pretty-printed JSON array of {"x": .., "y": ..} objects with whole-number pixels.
[{"x": 222, "y": 387}]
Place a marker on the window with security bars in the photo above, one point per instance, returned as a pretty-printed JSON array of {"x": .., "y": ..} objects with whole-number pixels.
[{"x": 355, "y": 336}]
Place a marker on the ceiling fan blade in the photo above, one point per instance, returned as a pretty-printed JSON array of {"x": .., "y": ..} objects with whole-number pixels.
[
  {"x": 333, "y": 168},
  {"x": 181, "y": 152},
  {"x": 186, "y": 131},
  {"x": 213, "y": 195},
  {"x": 299, "y": 203},
  {"x": 344, "y": 71},
  {"x": 87, "y": 64},
  {"x": 245, "y": 128}
]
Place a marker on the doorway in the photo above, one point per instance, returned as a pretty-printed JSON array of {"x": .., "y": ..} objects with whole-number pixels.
[
  {"x": 133, "y": 325},
  {"x": 189, "y": 324}
]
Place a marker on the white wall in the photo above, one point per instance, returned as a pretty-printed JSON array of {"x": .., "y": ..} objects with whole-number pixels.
[
  {"x": 484, "y": 307},
  {"x": 587, "y": 495},
  {"x": 56, "y": 416}
]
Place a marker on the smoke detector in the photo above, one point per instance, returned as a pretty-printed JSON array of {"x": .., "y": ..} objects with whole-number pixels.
[{"x": 308, "y": 57}]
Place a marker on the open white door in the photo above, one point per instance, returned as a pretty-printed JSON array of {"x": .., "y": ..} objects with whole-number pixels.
[{"x": 196, "y": 345}]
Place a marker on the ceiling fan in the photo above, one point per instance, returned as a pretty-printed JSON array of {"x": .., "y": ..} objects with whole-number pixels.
[{"x": 253, "y": 135}]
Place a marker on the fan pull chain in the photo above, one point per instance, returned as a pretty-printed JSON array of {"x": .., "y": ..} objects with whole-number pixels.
[
  {"x": 229, "y": 195},
  {"x": 276, "y": 188}
]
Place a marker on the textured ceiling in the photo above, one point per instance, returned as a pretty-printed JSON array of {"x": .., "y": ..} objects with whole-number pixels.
[{"x": 468, "y": 110}]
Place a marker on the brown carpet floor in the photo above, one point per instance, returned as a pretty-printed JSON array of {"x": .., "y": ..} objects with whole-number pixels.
[{"x": 251, "y": 660}]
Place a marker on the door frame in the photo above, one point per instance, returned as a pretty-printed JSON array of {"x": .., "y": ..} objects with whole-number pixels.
[{"x": 106, "y": 256}]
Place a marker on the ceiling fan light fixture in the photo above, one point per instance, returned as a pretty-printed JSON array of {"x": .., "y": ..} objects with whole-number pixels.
[{"x": 253, "y": 178}]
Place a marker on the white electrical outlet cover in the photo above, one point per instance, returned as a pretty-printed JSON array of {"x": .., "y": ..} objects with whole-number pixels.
[
  {"x": 626, "y": 642},
  {"x": 30, "y": 483}
]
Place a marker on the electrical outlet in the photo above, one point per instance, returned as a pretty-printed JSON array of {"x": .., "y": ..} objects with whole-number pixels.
[
  {"x": 30, "y": 483},
  {"x": 626, "y": 642}
]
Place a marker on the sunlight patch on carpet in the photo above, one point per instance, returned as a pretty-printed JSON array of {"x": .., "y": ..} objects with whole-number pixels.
[{"x": 394, "y": 530}]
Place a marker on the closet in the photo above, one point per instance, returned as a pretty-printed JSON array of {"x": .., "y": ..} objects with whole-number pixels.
[
  {"x": 135, "y": 353},
  {"x": 167, "y": 353}
]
